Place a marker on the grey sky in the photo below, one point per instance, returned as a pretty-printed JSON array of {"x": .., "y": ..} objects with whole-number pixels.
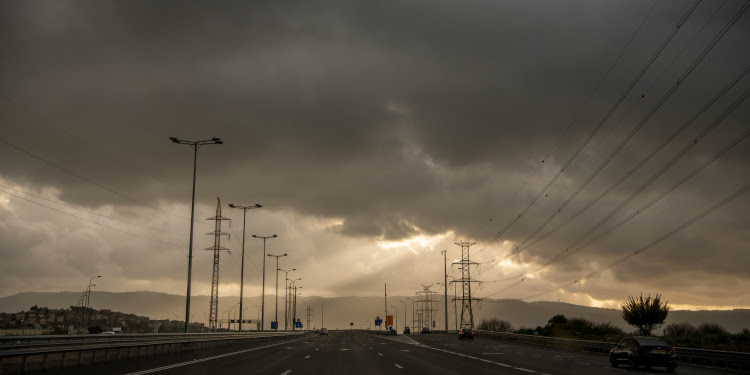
[{"x": 375, "y": 133}]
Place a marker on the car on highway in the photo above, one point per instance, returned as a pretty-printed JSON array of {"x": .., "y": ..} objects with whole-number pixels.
[
  {"x": 323, "y": 331},
  {"x": 407, "y": 331},
  {"x": 466, "y": 333},
  {"x": 425, "y": 330},
  {"x": 643, "y": 351},
  {"x": 109, "y": 333}
]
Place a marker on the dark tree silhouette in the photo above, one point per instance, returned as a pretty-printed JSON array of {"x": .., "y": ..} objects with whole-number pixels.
[{"x": 645, "y": 314}]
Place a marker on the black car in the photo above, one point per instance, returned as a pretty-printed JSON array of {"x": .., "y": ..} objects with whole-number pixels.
[
  {"x": 407, "y": 331},
  {"x": 466, "y": 333},
  {"x": 426, "y": 330},
  {"x": 643, "y": 351}
]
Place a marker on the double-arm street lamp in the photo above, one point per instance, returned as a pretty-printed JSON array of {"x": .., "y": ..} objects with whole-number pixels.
[
  {"x": 242, "y": 271},
  {"x": 277, "y": 287},
  {"x": 195, "y": 145},
  {"x": 263, "y": 292},
  {"x": 286, "y": 291}
]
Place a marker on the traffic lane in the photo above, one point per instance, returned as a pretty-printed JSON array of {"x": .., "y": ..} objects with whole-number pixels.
[
  {"x": 180, "y": 362},
  {"x": 342, "y": 352},
  {"x": 415, "y": 358},
  {"x": 542, "y": 359}
]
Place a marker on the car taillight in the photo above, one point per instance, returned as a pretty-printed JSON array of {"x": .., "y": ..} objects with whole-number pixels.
[
  {"x": 672, "y": 352},
  {"x": 472, "y": 332}
]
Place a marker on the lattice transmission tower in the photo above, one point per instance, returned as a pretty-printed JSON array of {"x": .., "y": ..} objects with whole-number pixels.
[
  {"x": 467, "y": 315},
  {"x": 426, "y": 306},
  {"x": 217, "y": 233}
]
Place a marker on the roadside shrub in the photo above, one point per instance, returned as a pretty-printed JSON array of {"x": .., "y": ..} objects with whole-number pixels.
[
  {"x": 683, "y": 329},
  {"x": 495, "y": 324}
]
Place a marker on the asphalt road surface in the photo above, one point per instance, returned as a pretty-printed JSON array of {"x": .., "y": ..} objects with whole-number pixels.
[{"x": 362, "y": 354}]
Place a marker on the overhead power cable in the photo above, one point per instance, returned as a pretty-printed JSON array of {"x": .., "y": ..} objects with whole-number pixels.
[
  {"x": 708, "y": 129},
  {"x": 567, "y": 251},
  {"x": 643, "y": 121},
  {"x": 95, "y": 223},
  {"x": 91, "y": 212},
  {"x": 585, "y": 104},
  {"x": 90, "y": 181},
  {"x": 606, "y": 117},
  {"x": 651, "y": 244}
]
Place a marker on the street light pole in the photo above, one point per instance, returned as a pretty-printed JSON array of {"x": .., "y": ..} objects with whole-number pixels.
[
  {"x": 455, "y": 306},
  {"x": 263, "y": 292},
  {"x": 277, "y": 287},
  {"x": 404, "y": 313},
  {"x": 286, "y": 291},
  {"x": 195, "y": 145},
  {"x": 292, "y": 303},
  {"x": 242, "y": 271},
  {"x": 413, "y": 311},
  {"x": 396, "y": 322},
  {"x": 88, "y": 298},
  {"x": 445, "y": 284},
  {"x": 321, "y": 312}
]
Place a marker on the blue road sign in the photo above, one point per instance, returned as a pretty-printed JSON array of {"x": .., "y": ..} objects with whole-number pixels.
[
  {"x": 274, "y": 325},
  {"x": 298, "y": 324}
]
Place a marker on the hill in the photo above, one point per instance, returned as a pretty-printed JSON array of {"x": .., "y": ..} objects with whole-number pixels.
[{"x": 339, "y": 312}]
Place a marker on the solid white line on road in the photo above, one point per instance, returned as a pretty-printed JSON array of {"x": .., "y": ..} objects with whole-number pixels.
[
  {"x": 208, "y": 358},
  {"x": 616, "y": 369},
  {"x": 397, "y": 365},
  {"x": 308, "y": 356},
  {"x": 584, "y": 363},
  {"x": 286, "y": 372},
  {"x": 493, "y": 353}
]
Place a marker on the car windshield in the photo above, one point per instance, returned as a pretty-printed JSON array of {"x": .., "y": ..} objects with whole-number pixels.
[
  {"x": 466, "y": 330},
  {"x": 648, "y": 341}
]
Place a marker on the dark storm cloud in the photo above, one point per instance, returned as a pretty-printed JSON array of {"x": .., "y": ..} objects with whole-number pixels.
[{"x": 397, "y": 119}]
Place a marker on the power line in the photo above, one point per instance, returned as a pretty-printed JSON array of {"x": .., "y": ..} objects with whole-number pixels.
[
  {"x": 93, "y": 222},
  {"x": 637, "y": 128},
  {"x": 566, "y": 252},
  {"x": 89, "y": 181},
  {"x": 585, "y": 104},
  {"x": 654, "y": 152},
  {"x": 652, "y": 243},
  {"x": 609, "y": 113},
  {"x": 91, "y": 212}
]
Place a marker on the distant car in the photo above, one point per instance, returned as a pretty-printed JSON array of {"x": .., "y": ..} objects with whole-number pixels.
[
  {"x": 643, "y": 351},
  {"x": 425, "y": 330},
  {"x": 323, "y": 331},
  {"x": 407, "y": 331},
  {"x": 466, "y": 333},
  {"x": 109, "y": 333},
  {"x": 317, "y": 330}
]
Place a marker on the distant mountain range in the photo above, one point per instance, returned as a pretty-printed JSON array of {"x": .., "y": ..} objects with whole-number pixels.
[{"x": 341, "y": 311}]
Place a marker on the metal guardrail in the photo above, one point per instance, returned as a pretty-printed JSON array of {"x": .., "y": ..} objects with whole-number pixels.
[
  {"x": 737, "y": 361},
  {"x": 63, "y": 350}
]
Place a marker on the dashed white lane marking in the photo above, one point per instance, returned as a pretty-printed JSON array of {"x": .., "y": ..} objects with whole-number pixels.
[
  {"x": 397, "y": 365},
  {"x": 344, "y": 349},
  {"x": 207, "y": 359},
  {"x": 481, "y": 359},
  {"x": 316, "y": 349},
  {"x": 308, "y": 356},
  {"x": 493, "y": 353},
  {"x": 584, "y": 363},
  {"x": 286, "y": 372},
  {"x": 405, "y": 350},
  {"x": 380, "y": 354},
  {"x": 616, "y": 369}
]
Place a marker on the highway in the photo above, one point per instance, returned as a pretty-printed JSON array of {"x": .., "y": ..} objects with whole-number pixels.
[{"x": 362, "y": 353}]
